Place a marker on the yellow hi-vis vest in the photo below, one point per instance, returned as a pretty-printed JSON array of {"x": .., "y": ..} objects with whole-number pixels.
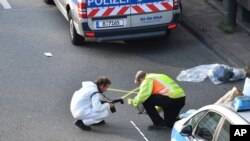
[{"x": 162, "y": 84}]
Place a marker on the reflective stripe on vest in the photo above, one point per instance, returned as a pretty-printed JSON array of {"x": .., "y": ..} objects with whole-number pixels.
[{"x": 167, "y": 87}]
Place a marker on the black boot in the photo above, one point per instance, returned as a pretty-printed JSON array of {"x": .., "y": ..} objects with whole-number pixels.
[
  {"x": 157, "y": 127},
  {"x": 81, "y": 125}
]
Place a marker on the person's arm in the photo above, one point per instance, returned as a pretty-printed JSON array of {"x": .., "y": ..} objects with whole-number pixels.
[
  {"x": 97, "y": 105},
  {"x": 145, "y": 91}
]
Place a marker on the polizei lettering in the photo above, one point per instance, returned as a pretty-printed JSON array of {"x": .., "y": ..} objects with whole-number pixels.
[{"x": 107, "y": 2}]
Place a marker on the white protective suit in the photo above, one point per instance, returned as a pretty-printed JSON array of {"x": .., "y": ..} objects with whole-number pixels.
[{"x": 86, "y": 107}]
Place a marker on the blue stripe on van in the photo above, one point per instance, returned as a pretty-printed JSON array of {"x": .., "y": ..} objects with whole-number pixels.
[
  {"x": 106, "y": 3},
  {"x": 147, "y": 1},
  {"x": 75, "y": 1}
]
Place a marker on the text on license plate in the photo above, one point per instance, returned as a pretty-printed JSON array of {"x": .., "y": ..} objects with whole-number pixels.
[{"x": 109, "y": 23}]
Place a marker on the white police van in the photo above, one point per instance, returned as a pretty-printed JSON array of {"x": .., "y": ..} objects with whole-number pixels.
[{"x": 106, "y": 20}]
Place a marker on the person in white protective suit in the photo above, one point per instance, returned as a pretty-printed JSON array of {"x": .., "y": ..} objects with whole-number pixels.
[{"x": 86, "y": 106}]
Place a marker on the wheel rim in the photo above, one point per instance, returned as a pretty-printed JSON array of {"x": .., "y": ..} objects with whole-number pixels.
[{"x": 71, "y": 28}]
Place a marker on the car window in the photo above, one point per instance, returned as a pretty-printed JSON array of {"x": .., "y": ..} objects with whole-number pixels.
[
  {"x": 195, "y": 119},
  {"x": 224, "y": 133},
  {"x": 207, "y": 126}
]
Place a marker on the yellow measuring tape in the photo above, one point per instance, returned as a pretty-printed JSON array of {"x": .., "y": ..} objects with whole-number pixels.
[
  {"x": 118, "y": 90},
  {"x": 127, "y": 92}
]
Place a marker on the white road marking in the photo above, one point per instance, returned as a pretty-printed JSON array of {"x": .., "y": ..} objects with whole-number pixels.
[
  {"x": 139, "y": 130},
  {"x": 5, "y": 4}
]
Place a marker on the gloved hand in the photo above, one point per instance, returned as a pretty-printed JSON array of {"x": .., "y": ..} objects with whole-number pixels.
[{"x": 130, "y": 101}]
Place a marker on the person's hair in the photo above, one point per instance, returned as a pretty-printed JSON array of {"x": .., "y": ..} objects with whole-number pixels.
[
  {"x": 139, "y": 75},
  {"x": 102, "y": 80}
]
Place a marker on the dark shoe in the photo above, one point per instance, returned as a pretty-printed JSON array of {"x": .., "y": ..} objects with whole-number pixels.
[
  {"x": 100, "y": 123},
  {"x": 156, "y": 127},
  {"x": 82, "y": 126},
  {"x": 170, "y": 125}
]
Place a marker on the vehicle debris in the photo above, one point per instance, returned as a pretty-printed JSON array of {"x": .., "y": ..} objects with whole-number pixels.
[{"x": 48, "y": 54}]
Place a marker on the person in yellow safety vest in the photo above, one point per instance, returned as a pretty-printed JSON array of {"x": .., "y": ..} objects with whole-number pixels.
[{"x": 159, "y": 90}]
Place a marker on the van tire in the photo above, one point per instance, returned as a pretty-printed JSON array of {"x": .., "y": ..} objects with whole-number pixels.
[
  {"x": 180, "y": 5},
  {"x": 51, "y": 2},
  {"x": 76, "y": 39},
  {"x": 168, "y": 32}
]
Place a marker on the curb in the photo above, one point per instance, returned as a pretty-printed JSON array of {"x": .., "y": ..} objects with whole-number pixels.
[{"x": 210, "y": 43}]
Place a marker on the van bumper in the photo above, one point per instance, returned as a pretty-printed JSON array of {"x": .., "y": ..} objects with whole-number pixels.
[
  {"x": 130, "y": 33},
  {"x": 151, "y": 31}
]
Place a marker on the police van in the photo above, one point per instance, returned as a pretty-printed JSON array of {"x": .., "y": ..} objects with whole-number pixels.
[{"x": 109, "y": 20}]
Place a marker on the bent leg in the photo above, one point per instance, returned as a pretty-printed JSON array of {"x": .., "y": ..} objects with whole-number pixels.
[
  {"x": 149, "y": 106},
  {"x": 95, "y": 118},
  {"x": 172, "y": 110}
]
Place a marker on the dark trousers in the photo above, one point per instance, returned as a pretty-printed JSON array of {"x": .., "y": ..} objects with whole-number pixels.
[{"x": 171, "y": 109}]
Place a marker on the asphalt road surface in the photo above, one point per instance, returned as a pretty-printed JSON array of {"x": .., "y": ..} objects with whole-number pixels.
[{"x": 35, "y": 90}]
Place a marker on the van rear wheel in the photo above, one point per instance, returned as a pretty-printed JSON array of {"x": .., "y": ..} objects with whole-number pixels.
[
  {"x": 49, "y": 1},
  {"x": 76, "y": 39},
  {"x": 168, "y": 32}
]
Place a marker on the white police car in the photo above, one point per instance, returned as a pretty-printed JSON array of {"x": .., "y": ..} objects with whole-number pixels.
[
  {"x": 209, "y": 123},
  {"x": 104, "y": 20}
]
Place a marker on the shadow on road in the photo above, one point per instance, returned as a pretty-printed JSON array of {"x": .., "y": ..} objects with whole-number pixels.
[
  {"x": 130, "y": 133},
  {"x": 142, "y": 45}
]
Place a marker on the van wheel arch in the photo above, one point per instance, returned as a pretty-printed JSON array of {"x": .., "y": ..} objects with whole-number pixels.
[
  {"x": 180, "y": 7},
  {"x": 51, "y": 2},
  {"x": 68, "y": 10}
]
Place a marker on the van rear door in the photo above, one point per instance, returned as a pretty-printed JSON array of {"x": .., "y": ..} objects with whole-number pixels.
[
  {"x": 151, "y": 12},
  {"x": 108, "y": 14}
]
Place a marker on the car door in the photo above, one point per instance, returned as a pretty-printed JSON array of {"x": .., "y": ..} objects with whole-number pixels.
[
  {"x": 193, "y": 121},
  {"x": 151, "y": 12},
  {"x": 205, "y": 129},
  {"x": 111, "y": 14},
  {"x": 224, "y": 132}
]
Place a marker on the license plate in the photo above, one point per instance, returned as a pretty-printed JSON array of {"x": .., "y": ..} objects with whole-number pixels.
[{"x": 109, "y": 23}]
